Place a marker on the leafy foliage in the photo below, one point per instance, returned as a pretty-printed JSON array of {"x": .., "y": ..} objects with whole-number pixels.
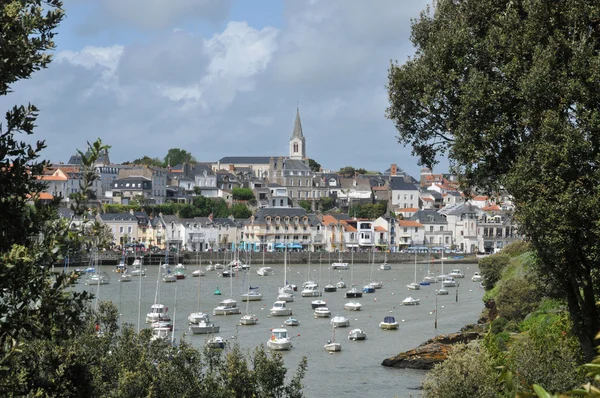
[
  {"x": 500, "y": 108},
  {"x": 370, "y": 211},
  {"x": 326, "y": 204},
  {"x": 240, "y": 211},
  {"x": 492, "y": 267},
  {"x": 148, "y": 161},
  {"x": 177, "y": 156},
  {"x": 314, "y": 165},
  {"x": 305, "y": 204},
  {"x": 242, "y": 194},
  {"x": 516, "y": 298},
  {"x": 468, "y": 371}
]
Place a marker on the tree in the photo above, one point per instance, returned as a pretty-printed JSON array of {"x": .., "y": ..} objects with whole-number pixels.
[
  {"x": 242, "y": 194},
  {"x": 177, "y": 156},
  {"x": 148, "y": 161},
  {"x": 347, "y": 172},
  {"x": 314, "y": 165},
  {"x": 305, "y": 204},
  {"x": 240, "y": 210},
  {"x": 326, "y": 203},
  {"x": 509, "y": 91}
]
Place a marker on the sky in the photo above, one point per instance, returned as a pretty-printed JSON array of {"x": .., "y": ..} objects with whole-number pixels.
[{"x": 224, "y": 78}]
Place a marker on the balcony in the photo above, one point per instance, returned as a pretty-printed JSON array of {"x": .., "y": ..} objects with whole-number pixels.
[{"x": 319, "y": 238}]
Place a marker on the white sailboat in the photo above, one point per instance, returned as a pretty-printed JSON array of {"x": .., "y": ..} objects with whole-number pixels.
[
  {"x": 286, "y": 293},
  {"x": 247, "y": 318},
  {"x": 414, "y": 285},
  {"x": 330, "y": 288},
  {"x": 354, "y": 292},
  {"x": 331, "y": 345}
]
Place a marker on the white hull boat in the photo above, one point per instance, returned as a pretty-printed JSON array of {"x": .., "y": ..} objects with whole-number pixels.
[
  {"x": 339, "y": 321},
  {"x": 476, "y": 277},
  {"x": 169, "y": 278},
  {"x": 353, "y": 306},
  {"x": 98, "y": 279},
  {"x": 251, "y": 296},
  {"x": 389, "y": 323},
  {"x": 318, "y": 303},
  {"x": 198, "y": 273},
  {"x": 138, "y": 272},
  {"x": 265, "y": 271},
  {"x": 280, "y": 340},
  {"x": 203, "y": 327},
  {"x": 158, "y": 312},
  {"x": 456, "y": 273},
  {"x": 322, "y": 312},
  {"x": 287, "y": 297},
  {"x": 357, "y": 334},
  {"x": 442, "y": 292},
  {"x": 341, "y": 285},
  {"x": 330, "y": 288},
  {"x": 449, "y": 282},
  {"x": 226, "y": 310},
  {"x": 216, "y": 342},
  {"x": 291, "y": 321},
  {"x": 413, "y": 286},
  {"x": 339, "y": 265},
  {"x": 311, "y": 290},
  {"x": 125, "y": 278},
  {"x": 385, "y": 267},
  {"x": 411, "y": 301},
  {"x": 280, "y": 309},
  {"x": 248, "y": 319},
  {"x": 163, "y": 333},
  {"x": 196, "y": 317}
]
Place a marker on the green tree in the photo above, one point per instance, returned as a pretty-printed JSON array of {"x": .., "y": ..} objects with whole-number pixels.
[
  {"x": 148, "y": 161},
  {"x": 326, "y": 204},
  {"x": 242, "y": 194},
  {"x": 314, "y": 165},
  {"x": 305, "y": 204},
  {"x": 347, "y": 172},
  {"x": 177, "y": 156},
  {"x": 240, "y": 211},
  {"x": 509, "y": 91}
]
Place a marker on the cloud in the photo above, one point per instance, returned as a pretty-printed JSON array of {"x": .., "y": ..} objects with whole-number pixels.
[{"x": 233, "y": 91}]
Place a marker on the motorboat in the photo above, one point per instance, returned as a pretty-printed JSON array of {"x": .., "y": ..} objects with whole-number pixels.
[
  {"x": 291, "y": 321},
  {"x": 368, "y": 289},
  {"x": 413, "y": 286},
  {"x": 279, "y": 340},
  {"x": 357, "y": 334},
  {"x": 162, "y": 333},
  {"x": 353, "y": 306},
  {"x": 309, "y": 283},
  {"x": 449, "y": 282},
  {"x": 162, "y": 324},
  {"x": 198, "y": 272},
  {"x": 341, "y": 285},
  {"x": 229, "y": 302},
  {"x": 441, "y": 277},
  {"x": 389, "y": 323},
  {"x": 210, "y": 267},
  {"x": 219, "y": 266},
  {"x": 456, "y": 273},
  {"x": 441, "y": 291},
  {"x": 265, "y": 271},
  {"x": 226, "y": 309},
  {"x": 411, "y": 301},
  {"x": 158, "y": 312},
  {"x": 385, "y": 267},
  {"x": 311, "y": 290},
  {"x": 216, "y": 342},
  {"x": 137, "y": 263},
  {"x": 138, "y": 272},
  {"x": 340, "y": 321},
  {"x": 353, "y": 293},
  {"x": 330, "y": 288},
  {"x": 477, "y": 277},
  {"x": 288, "y": 289},
  {"x": 318, "y": 303},
  {"x": 125, "y": 278},
  {"x": 228, "y": 273},
  {"x": 98, "y": 279},
  {"x": 322, "y": 312},
  {"x": 251, "y": 296},
  {"x": 196, "y": 317},
  {"x": 430, "y": 279},
  {"x": 287, "y": 297},
  {"x": 203, "y": 326},
  {"x": 280, "y": 309},
  {"x": 376, "y": 284},
  {"x": 248, "y": 319},
  {"x": 121, "y": 267},
  {"x": 169, "y": 278},
  {"x": 339, "y": 265}
]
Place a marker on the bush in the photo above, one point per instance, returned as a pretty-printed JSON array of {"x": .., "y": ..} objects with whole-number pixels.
[
  {"x": 516, "y": 298},
  {"x": 517, "y": 248},
  {"x": 554, "y": 365},
  {"x": 469, "y": 371},
  {"x": 491, "y": 268},
  {"x": 498, "y": 325}
]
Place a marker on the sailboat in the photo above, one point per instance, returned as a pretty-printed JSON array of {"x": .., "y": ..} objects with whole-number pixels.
[
  {"x": 414, "y": 285},
  {"x": 370, "y": 288},
  {"x": 158, "y": 312},
  {"x": 199, "y": 271},
  {"x": 247, "y": 318},
  {"x": 199, "y": 321},
  {"x": 286, "y": 293},
  {"x": 168, "y": 276},
  {"x": 331, "y": 345},
  {"x": 97, "y": 278},
  {"x": 385, "y": 266},
  {"x": 354, "y": 292},
  {"x": 227, "y": 306},
  {"x": 428, "y": 278},
  {"x": 330, "y": 288}
]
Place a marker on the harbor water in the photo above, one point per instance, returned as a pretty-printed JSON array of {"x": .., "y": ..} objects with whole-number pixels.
[{"x": 356, "y": 371}]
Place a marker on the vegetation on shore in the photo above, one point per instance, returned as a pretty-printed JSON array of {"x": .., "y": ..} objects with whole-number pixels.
[{"x": 528, "y": 340}]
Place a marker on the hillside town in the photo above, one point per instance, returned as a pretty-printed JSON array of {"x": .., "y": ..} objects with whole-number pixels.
[{"x": 424, "y": 213}]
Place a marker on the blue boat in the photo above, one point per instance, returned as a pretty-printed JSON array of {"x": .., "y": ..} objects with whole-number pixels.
[
  {"x": 368, "y": 289},
  {"x": 424, "y": 283}
]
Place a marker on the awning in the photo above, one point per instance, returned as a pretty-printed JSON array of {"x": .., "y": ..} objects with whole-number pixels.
[
  {"x": 279, "y": 246},
  {"x": 296, "y": 246}
]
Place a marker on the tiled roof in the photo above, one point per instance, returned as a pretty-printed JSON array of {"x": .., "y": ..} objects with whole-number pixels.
[
  {"x": 380, "y": 229},
  {"x": 491, "y": 208},
  {"x": 480, "y": 198},
  {"x": 245, "y": 160},
  {"x": 407, "y": 210},
  {"x": 46, "y": 196},
  {"x": 53, "y": 178},
  {"x": 409, "y": 223}
]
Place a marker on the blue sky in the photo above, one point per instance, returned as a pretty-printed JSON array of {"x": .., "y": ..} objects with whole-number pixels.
[{"x": 223, "y": 78}]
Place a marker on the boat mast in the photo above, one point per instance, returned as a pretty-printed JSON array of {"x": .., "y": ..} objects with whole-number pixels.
[{"x": 174, "y": 317}]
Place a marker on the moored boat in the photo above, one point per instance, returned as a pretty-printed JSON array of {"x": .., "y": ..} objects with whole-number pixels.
[
  {"x": 353, "y": 306},
  {"x": 357, "y": 334},
  {"x": 389, "y": 323},
  {"x": 279, "y": 340}
]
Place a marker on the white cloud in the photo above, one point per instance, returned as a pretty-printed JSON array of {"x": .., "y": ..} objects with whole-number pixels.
[{"x": 234, "y": 91}]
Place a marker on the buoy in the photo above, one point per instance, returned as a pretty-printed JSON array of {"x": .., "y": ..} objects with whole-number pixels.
[
  {"x": 375, "y": 299},
  {"x": 403, "y": 320}
]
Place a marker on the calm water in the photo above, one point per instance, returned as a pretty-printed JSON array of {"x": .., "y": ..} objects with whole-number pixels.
[{"x": 356, "y": 371}]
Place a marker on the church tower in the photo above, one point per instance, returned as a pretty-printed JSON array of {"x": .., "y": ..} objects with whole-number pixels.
[{"x": 297, "y": 142}]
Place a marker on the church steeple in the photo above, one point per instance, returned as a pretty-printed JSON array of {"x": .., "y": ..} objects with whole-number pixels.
[{"x": 297, "y": 142}]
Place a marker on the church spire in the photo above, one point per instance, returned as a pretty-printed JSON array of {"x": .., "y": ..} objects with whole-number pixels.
[{"x": 297, "y": 126}]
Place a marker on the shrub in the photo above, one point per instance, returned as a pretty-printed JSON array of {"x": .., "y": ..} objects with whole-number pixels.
[
  {"x": 469, "y": 371},
  {"x": 498, "y": 325},
  {"x": 517, "y": 248},
  {"x": 491, "y": 268},
  {"x": 516, "y": 298},
  {"x": 554, "y": 365}
]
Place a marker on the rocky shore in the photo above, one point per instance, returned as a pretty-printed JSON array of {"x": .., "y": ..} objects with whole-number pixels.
[{"x": 436, "y": 350}]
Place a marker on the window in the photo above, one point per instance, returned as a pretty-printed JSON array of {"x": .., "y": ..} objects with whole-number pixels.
[
  {"x": 441, "y": 227},
  {"x": 406, "y": 230},
  {"x": 416, "y": 229},
  {"x": 295, "y": 147},
  {"x": 121, "y": 229},
  {"x": 128, "y": 230},
  {"x": 431, "y": 228}
]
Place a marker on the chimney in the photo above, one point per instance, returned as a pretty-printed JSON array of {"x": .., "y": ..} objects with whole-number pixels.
[
  {"x": 393, "y": 170},
  {"x": 231, "y": 168},
  {"x": 279, "y": 163}
]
